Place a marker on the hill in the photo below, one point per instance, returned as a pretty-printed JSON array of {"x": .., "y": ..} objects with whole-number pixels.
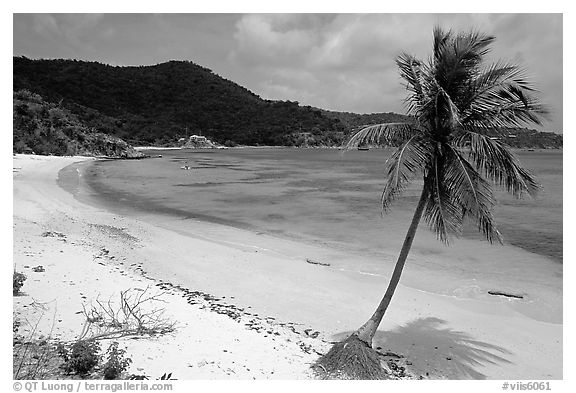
[
  {"x": 48, "y": 129},
  {"x": 159, "y": 104},
  {"x": 354, "y": 120},
  {"x": 527, "y": 138}
]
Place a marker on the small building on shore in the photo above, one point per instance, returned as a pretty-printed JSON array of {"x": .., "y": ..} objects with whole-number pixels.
[{"x": 197, "y": 138}]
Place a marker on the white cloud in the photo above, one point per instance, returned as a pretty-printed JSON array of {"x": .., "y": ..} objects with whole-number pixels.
[
  {"x": 264, "y": 38},
  {"x": 347, "y": 61},
  {"x": 72, "y": 28},
  {"x": 335, "y": 61},
  {"x": 46, "y": 24}
]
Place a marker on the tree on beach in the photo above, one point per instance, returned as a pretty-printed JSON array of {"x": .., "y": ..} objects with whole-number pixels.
[{"x": 456, "y": 101}]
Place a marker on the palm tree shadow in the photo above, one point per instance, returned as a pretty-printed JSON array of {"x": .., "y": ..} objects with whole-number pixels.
[{"x": 438, "y": 352}]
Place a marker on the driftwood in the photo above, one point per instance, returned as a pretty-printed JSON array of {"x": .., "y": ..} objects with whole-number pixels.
[
  {"x": 133, "y": 316},
  {"x": 498, "y": 293},
  {"x": 310, "y": 261}
]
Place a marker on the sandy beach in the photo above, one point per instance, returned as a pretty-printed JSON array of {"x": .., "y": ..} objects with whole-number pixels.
[
  {"x": 247, "y": 305},
  {"x": 88, "y": 254}
]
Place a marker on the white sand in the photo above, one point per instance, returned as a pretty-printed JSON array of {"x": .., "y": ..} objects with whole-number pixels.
[
  {"x": 205, "y": 344},
  {"x": 443, "y": 337}
]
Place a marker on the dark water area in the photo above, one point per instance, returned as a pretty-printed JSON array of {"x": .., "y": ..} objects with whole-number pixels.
[{"x": 326, "y": 196}]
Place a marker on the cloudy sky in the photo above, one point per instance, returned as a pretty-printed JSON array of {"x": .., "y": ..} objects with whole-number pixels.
[{"x": 341, "y": 62}]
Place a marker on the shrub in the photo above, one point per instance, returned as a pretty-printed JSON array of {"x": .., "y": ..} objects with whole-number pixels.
[
  {"x": 81, "y": 358},
  {"x": 116, "y": 363},
  {"x": 18, "y": 282}
]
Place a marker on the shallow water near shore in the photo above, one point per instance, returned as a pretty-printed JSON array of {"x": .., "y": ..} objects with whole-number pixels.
[{"x": 330, "y": 199}]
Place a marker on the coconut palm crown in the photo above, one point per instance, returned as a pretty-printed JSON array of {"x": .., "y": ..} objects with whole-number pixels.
[{"x": 457, "y": 103}]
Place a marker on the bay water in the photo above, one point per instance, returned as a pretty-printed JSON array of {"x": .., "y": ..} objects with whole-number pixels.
[{"x": 331, "y": 199}]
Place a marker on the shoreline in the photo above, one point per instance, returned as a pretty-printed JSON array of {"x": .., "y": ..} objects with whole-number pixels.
[
  {"x": 336, "y": 302},
  {"x": 144, "y": 148},
  {"x": 469, "y": 269},
  {"x": 90, "y": 254}
]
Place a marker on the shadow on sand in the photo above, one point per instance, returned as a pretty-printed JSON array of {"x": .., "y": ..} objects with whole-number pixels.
[{"x": 436, "y": 351}]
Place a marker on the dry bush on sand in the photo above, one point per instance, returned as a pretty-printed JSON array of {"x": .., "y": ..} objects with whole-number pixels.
[{"x": 133, "y": 315}]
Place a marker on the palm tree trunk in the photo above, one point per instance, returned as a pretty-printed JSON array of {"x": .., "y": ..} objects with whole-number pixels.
[{"x": 368, "y": 330}]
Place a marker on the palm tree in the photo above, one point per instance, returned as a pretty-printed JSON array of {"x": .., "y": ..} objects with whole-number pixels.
[{"x": 457, "y": 104}]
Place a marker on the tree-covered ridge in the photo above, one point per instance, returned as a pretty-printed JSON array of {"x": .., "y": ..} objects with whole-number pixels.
[
  {"x": 513, "y": 137},
  {"x": 355, "y": 120},
  {"x": 157, "y": 105},
  {"x": 45, "y": 128}
]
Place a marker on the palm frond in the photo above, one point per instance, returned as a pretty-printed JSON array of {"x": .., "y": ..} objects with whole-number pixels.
[
  {"x": 497, "y": 163},
  {"x": 382, "y": 134},
  {"x": 402, "y": 166},
  {"x": 498, "y": 74},
  {"x": 447, "y": 110},
  {"x": 457, "y": 60},
  {"x": 442, "y": 214},
  {"x": 507, "y": 104},
  {"x": 470, "y": 48},
  {"x": 440, "y": 41},
  {"x": 491, "y": 78},
  {"x": 472, "y": 193},
  {"x": 411, "y": 72}
]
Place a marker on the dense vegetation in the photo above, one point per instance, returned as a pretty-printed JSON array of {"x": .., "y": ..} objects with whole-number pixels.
[
  {"x": 161, "y": 103},
  {"x": 48, "y": 129},
  {"x": 355, "y": 120},
  {"x": 157, "y": 105},
  {"x": 525, "y": 137}
]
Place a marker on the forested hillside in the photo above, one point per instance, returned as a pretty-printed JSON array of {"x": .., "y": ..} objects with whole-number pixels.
[
  {"x": 157, "y": 105},
  {"x": 44, "y": 128}
]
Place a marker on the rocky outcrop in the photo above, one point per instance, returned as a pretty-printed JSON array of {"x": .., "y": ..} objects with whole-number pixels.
[
  {"x": 198, "y": 142},
  {"x": 99, "y": 144}
]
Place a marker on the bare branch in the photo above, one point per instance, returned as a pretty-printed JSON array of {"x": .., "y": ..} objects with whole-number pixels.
[{"x": 133, "y": 315}]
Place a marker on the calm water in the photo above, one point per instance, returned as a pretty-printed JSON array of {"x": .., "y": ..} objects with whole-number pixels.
[
  {"x": 330, "y": 201},
  {"x": 315, "y": 195}
]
